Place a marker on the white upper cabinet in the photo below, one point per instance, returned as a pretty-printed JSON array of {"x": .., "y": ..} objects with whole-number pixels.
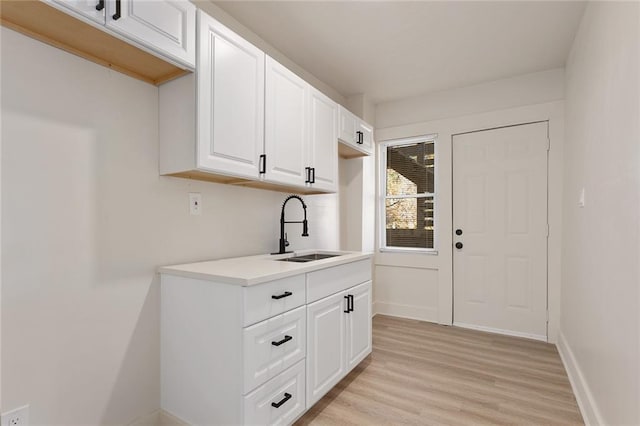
[
  {"x": 348, "y": 126},
  {"x": 323, "y": 141},
  {"x": 355, "y": 135},
  {"x": 286, "y": 129},
  {"x": 230, "y": 101},
  {"x": 167, "y": 26},
  {"x": 94, "y": 10}
]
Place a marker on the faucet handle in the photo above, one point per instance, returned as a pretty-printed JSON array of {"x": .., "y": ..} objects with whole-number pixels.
[{"x": 286, "y": 242}]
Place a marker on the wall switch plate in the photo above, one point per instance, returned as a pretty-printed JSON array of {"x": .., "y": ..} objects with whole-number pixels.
[
  {"x": 16, "y": 417},
  {"x": 195, "y": 203}
]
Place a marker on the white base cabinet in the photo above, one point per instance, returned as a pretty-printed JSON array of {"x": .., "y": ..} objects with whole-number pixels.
[
  {"x": 261, "y": 354},
  {"x": 339, "y": 337}
]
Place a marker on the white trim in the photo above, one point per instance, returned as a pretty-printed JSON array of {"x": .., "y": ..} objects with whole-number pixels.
[
  {"x": 586, "y": 402},
  {"x": 501, "y": 331},
  {"x": 381, "y": 195},
  {"x": 420, "y": 313}
]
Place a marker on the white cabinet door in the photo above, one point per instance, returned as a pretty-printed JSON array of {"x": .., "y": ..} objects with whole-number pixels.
[
  {"x": 323, "y": 141},
  {"x": 359, "y": 324},
  {"x": 286, "y": 115},
  {"x": 166, "y": 26},
  {"x": 230, "y": 84},
  {"x": 348, "y": 126},
  {"x": 91, "y": 9},
  {"x": 366, "y": 140},
  {"x": 326, "y": 363}
]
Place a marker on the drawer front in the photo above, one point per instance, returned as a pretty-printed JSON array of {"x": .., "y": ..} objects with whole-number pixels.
[
  {"x": 328, "y": 281},
  {"x": 286, "y": 392},
  {"x": 272, "y": 346},
  {"x": 263, "y": 301}
]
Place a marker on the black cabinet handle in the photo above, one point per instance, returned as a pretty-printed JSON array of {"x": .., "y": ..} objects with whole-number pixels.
[
  {"x": 285, "y": 340},
  {"x": 307, "y": 173},
  {"x": 351, "y": 303},
  {"x": 313, "y": 175},
  {"x": 459, "y": 245},
  {"x": 287, "y": 396},
  {"x": 116, "y": 15},
  {"x": 348, "y": 310},
  {"x": 263, "y": 164},
  {"x": 360, "y": 140},
  {"x": 282, "y": 296},
  {"x": 100, "y": 5}
]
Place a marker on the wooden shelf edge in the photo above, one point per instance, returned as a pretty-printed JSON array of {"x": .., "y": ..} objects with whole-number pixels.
[
  {"x": 229, "y": 180},
  {"x": 348, "y": 152}
]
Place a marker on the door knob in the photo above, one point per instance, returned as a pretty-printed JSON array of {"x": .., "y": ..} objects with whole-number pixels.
[
  {"x": 459, "y": 245},
  {"x": 458, "y": 231}
]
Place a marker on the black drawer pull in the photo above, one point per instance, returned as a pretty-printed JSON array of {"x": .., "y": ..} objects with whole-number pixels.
[
  {"x": 100, "y": 5},
  {"x": 287, "y": 396},
  {"x": 348, "y": 310},
  {"x": 283, "y": 295},
  {"x": 285, "y": 340}
]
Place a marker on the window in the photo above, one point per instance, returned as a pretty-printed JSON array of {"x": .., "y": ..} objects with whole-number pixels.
[{"x": 408, "y": 201}]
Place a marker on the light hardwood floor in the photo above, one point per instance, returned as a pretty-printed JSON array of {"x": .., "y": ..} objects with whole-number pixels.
[{"x": 421, "y": 374}]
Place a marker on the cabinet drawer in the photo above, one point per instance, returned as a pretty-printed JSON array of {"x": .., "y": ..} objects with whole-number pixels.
[
  {"x": 328, "y": 281},
  {"x": 275, "y": 297},
  {"x": 286, "y": 391},
  {"x": 272, "y": 346}
]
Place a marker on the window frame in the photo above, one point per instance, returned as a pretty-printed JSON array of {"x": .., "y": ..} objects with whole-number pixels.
[{"x": 383, "y": 197}]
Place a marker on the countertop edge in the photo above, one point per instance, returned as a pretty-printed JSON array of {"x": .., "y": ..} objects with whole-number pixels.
[{"x": 296, "y": 269}]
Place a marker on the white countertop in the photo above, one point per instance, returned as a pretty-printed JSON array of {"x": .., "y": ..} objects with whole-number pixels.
[{"x": 251, "y": 270}]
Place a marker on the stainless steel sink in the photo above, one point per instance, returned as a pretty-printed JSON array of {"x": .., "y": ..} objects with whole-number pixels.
[{"x": 308, "y": 257}]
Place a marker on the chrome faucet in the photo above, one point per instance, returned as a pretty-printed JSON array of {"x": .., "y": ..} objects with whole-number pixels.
[{"x": 283, "y": 236}]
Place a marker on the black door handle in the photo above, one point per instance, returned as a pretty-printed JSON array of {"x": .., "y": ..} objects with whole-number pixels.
[
  {"x": 360, "y": 140},
  {"x": 351, "y": 302},
  {"x": 283, "y": 295},
  {"x": 459, "y": 245},
  {"x": 348, "y": 310},
  {"x": 262, "y": 166},
  {"x": 287, "y": 396},
  {"x": 458, "y": 231},
  {"x": 285, "y": 340},
  {"x": 307, "y": 173},
  {"x": 100, "y": 5},
  {"x": 116, "y": 15},
  {"x": 312, "y": 179}
]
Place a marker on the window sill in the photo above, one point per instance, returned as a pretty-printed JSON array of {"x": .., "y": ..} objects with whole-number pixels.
[{"x": 408, "y": 250}]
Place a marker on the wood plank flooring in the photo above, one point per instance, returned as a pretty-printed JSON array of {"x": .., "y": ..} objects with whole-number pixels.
[{"x": 422, "y": 374}]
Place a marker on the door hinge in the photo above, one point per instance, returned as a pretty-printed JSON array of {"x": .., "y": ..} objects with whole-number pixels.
[
  {"x": 547, "y": 316},
  {"x": 548, "y": 143},
  {"x": 547, "y": 230}
]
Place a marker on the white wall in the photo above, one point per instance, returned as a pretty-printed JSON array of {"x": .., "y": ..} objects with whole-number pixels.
[
  {"x": 420, "y": 285},
  {"x": 600, "y": 325},
  {"x": 86, "y": 220},
  {"x": 528, "y": 89}
]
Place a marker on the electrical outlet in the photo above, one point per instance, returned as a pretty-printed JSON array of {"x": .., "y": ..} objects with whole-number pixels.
[
  {"x": 16, "y": 417},
  {"x": 195, "y": 203}
]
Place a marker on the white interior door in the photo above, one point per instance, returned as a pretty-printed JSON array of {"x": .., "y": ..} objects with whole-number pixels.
[{"x": 500, "y": 230}]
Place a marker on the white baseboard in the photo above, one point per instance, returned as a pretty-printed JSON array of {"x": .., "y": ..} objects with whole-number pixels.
[
  {"x": 588, "y": 407},
  {"x": 500, "y": 331},
  {"x": 158, "y": 418},
  {"x": 406, "y": 311}
]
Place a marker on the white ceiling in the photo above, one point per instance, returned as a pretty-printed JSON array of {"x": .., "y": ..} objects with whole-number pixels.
[{"x": 390, "y": 50}]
